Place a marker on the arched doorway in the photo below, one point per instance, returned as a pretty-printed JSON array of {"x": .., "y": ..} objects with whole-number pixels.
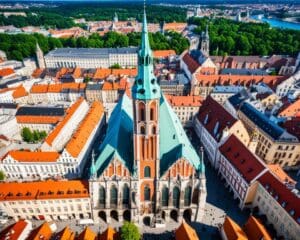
[
  {"x": 114, "y": 215},
  {"x": 146, "y": 221},
  {"x": 102, "y": 215},
  {"x": 127, "y": 215},
  {"x": 187, "y": 215},
  {"x": 174, "y": 215}
]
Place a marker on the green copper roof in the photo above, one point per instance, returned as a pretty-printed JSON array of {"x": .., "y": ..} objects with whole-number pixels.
[
  {"x": 118, "y": 142},
  {"x": 146, "y": 86}
]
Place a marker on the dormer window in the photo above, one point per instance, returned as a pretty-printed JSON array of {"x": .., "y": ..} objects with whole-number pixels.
[
  {"x": 216, "y": 129},
  {"x": 206, "y": 119},
  {"x": 283, "y": 204},
  {"x": 292, "y": 212}
]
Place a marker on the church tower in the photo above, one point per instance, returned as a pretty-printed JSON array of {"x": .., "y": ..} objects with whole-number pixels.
[
  {"x": 146, "y": 96},
  {"x": 205, "y": 42},
  {"x": 40, "y": 57}
]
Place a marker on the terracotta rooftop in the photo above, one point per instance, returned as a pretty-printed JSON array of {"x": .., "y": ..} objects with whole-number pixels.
[
  {"x": 108, "y": 86},
  {"x": 87, "y": 234},
  {"x": 190, "y": 62},
  {"x": 215, "y": 118},
  {"x": 6, "y": 72},
  {"x": 255, "y": 230},
  {"x": 65, "y": 234},
  {"x": 19, "y": 92},
  {"x": 163, "y": 53},
  {"x": 109, "y": 234},
  {"x": 37, "y": 73},
  {"x": 186, "y": 232},
  {"x": 27, "y": 156},
  {"x": 42, "y": 232},
  {"x": 39, "y": 119},
  {"x": 232, "y": 230},
  {"x": 285, "y": 198},
  {"x": 292, "y": 126},
  {"x": 78, "y": 140},
  {"x": 281, "y": 174},
  {"x": 39, "y": 88},
  {"x": 69, "y": 113},
  {"x": 11, "y": 191},
  {"x": 212, "y": 80},
  {"x": 243, "y": 160},
  {"x": 292, "y": 110},
  {"x": 14, "y": 231},
  {"x": 187, "y": 101}
]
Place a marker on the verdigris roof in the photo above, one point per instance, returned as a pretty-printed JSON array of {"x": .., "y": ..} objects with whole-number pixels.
[{"x": 118, "y": 142}]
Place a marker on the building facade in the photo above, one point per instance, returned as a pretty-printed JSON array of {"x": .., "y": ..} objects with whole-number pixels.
[{"x": 153, "y": 172}]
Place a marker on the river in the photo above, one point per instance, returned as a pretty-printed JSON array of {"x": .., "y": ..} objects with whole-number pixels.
[{"x": 278, "y": 23}]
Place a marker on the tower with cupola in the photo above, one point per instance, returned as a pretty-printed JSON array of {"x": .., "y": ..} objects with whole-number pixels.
[{"x": 146, "y": 96}]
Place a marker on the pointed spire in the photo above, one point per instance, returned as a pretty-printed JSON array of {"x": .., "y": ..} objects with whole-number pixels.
[{"x": 146, "y": 86}]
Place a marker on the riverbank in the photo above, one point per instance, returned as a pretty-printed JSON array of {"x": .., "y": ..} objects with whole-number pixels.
[{"x": 278, "y": 23}]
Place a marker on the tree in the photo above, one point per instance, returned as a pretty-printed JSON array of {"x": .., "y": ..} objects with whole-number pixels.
[
  {"x": 27, "y": 135},
  {"x": 129, "y": 231},
  {"x": 115, "y": 66},
  {"x": 2, "y": 175}
]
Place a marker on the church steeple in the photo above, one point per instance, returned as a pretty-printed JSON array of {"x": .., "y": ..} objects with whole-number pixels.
[{"x": 146, "y": 86}]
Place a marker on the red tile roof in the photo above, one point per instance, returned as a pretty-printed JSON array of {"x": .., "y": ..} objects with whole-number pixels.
[
  {"x": 187, "y": 101},
  {"x": 13, "y": 231},
  {"x": 292, "y": 110},
  {"x": 11, "y": 191},
  {"x": 281, "y": 174},
  {"x": 190, "y": 62},
  {"x": 212, "y": 113},
  {"x": 42, "y": 232},
  {"x": 243, "y": 160},
  {"x": 39, "y": 119},
  {"x": 293, "y": 126},
  {"x": 288, "y": 200},
  {"x": 255, "y": 230},
  {"x": 163, "y": 53},
  {"x": 232, "y": 230},
  {"x": 19, "y": 92}
]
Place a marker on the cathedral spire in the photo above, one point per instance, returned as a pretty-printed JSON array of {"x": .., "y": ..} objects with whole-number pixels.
[{"x": 146, "y": 86}]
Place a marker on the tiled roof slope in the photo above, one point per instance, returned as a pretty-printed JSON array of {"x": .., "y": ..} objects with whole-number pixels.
[
  {"x": 43, "y": 232},
  {"x": 109, "y": 234},
  {"x": 26, "y": 156},
  {"x": 288, "y": 200},
  {"x": 293, "y": 110},
  {"x": 69, "y": 113},
  {"x": 232, "y": 230},
  {"x": 259, "y": 119},
  {"x": 43, "y": 190},
  {"x": 65, "y": 234},
  {"x": 187, "y": 101},
  {"x": 190, "y": 62},
  {"x": 6, "y": 72},
  {"x": 87, "y": 234},
  {"x": 85, "y": 129},
  {"x": 215, "y": 118},
  {"x": 242, "y": 158},
  {"x": 185, "y": 232},
  {"x": 163, "y": 53},
  {"x": 255, "y": 230},
  {"x": 14, "y": 230}
]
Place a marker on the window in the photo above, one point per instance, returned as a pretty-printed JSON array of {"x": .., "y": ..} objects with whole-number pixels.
[
  {"x": 187, "y": 196},
  {"x": 142, "y": 130},
  {"x": 102, "y": 196},
  {"x": 147, "y": 171},
  {"x": 165, "y": 197},
  {"x": 125, "y": 199},
  {"x": 176, "y": 197},
  {"x": 113, "y": 196},
  {"x": 147, "y": 193}
]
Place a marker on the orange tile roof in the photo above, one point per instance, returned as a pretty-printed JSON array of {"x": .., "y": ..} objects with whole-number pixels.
[
  {"x": 27, "y": 156},
  {"x": 281, "y": 174},
  {"x": 233, "y": 231},
  {"x": 14, "y": 230},
  {"x": 187, "y": 101},
  {"x": 6, "y": 72},
  {"x": 54, "y": 88},
  {"x": 132, "y": 72},
  {"x": 292, "y": 110},
  {"x": 39, "y": 119},
  {"x": 69, "y": 113},
  {"x": 79, "y": 138},
  {"x": 212, "y": 80},
  {"x": 163, "y": 53},
  {"x": 108, "y": 86},
  {"x": 87, "y": 234},
  {"x": 102, "y": 73},
  {"x": 185, "y": 232},
  {"x": 65, "y": 234},
  {"x": 37, "y": 73},
  {"x": 77, "y": 72},
  {"x": 50, "y": 189},
  {"x": 255, "y": 230},
  {"x": 109, "y": 234},
  {"x": 19, "y": 92},
  {"x": 39, "y": 88},
  {"x": 42, "y": 232}
]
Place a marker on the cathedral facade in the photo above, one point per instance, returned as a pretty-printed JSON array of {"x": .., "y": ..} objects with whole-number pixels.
[{"x": 147, "y": 171}]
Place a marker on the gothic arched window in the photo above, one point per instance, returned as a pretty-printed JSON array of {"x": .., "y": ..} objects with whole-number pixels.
[
  {"x": 165, "y": 196},
  {"x": 147, "y": 193},
  {"x": 176, "y": 197},
  {"x": 187, "y": 196},
  {"x": 147, "y": 171}
]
